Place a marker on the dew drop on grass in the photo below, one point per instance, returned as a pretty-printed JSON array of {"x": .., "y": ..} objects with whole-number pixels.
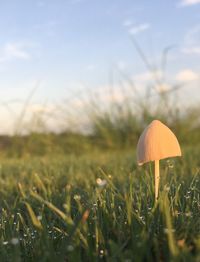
[
  {"x": 170, "y": 164},
  {"x": 77, "y": 197},
  {"x": 167, "y": 230},
  {"x": 188, "y": 214},
  {"x": 101, "y": 182},
  {"x": 39, "y": 218},
  {"x": 70, "y": 248},
  {"x": 14, "y": 241},
  {"x": 101, "y": 253},
  {"x": 186, "y": 196}
]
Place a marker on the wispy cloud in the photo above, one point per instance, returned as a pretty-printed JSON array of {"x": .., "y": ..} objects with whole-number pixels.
[
  {"x": 188, "y": 3},
  {"x": 135, "y": 28},
  {"x": 14, "y": 51},
  {"x": 192, "y": 50},
  {"x": 138, "y": 28},
  {"x": 187, "y": 75}
]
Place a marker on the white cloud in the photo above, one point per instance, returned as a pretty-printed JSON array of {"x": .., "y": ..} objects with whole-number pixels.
[
  {"x": 152, "y": 79},
  {"x": 14, "y": 51},
  {"x": 72, "y": 113},
  {"x": 139, "y": 28},
  {"x": 186, "y": 75},
  {"x": 189, "y": 2},
  {"x": 135, "y": 28},
  {"x": 191, "y": 50}
]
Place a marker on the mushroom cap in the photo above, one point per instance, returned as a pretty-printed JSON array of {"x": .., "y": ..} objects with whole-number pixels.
[{"x": 157, "y": 142}]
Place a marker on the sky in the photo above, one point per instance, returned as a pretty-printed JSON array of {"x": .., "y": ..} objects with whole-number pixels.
[{"x": 58, "y": 48}]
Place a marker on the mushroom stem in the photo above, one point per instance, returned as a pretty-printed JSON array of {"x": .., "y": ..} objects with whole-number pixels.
[{"x": 157, "y": 179}]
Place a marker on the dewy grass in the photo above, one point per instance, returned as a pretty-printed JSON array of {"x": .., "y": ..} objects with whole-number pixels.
[{"x": 99, "y": 206}]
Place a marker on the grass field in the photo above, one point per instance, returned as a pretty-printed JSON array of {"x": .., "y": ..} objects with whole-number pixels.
[
  {"x": 82, "y": 197},
  {"x": 99, "y": 206}
]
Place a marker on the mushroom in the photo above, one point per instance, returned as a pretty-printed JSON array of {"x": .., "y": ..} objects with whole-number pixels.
[{"x": 157, "y": 142}]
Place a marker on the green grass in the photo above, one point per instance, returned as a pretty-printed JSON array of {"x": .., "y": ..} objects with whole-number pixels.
[{"x": 53, "y": 209}]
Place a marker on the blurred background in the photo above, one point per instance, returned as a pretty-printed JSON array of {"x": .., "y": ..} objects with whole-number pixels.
[{"x": 82, "y": 74}]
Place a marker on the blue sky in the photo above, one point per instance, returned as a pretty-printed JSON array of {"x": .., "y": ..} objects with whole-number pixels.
[{"x": 65, "y": 45}]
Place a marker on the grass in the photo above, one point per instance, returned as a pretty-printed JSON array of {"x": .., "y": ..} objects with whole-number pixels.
[{"x": 99, "y": 206}]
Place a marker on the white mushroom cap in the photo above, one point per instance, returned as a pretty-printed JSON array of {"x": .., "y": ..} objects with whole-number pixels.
[{"x": 157, "y": 142}]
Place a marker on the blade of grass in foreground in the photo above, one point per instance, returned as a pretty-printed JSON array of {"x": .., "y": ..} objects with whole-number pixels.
[
  {"x": 165, "y": 209},
  {"x": 57, "y": 211},
  {"x": 33, "y": 217}
]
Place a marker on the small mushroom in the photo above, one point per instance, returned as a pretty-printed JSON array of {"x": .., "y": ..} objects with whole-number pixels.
[{"x": 157, "y": 142}]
